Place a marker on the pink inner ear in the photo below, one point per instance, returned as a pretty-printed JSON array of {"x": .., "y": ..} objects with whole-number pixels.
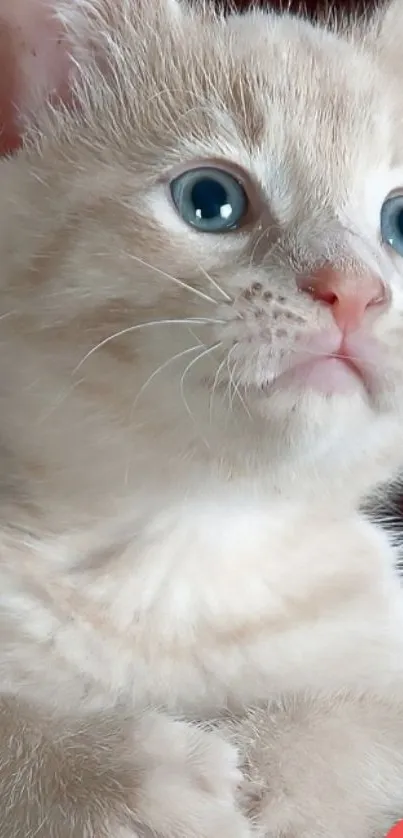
[{"x": 34, "y": 63}]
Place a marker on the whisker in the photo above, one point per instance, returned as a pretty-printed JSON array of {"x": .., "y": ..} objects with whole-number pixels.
[
  {"x": 230, "y": 378},
  {"x": 187, "y": 370},
  {"x": 193, "y": 334},
  {"x": 235, "y": 385},
  {"x": 58, "y": 402},
  {"x": 8, "y": 314},
  {"x": 174, "y": 279},
  {"x": 261, "y": 236},
  {"x": 163, "y": 366},
  {"x": 215, "y": 382},
  {"x": 230, "y": 388},
  {"x": 215, "y": 284},
  {"x": 184, "y": 321}
]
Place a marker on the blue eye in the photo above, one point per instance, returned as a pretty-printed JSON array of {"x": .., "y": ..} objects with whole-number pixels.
[
  {"x": 210, "y": 200},
  {"x": 392, "y": 222}
]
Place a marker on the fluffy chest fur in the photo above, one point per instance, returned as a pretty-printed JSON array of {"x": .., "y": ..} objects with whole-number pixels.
[{"x": 214, "y": 604}]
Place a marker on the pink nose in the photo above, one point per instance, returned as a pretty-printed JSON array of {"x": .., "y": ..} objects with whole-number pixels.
[{"x": 349, "y": 295}]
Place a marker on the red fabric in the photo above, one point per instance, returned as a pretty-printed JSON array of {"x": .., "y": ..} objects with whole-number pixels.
[
  {"x": 397, "y": 831},
  {"x": 8, "y": 80}
]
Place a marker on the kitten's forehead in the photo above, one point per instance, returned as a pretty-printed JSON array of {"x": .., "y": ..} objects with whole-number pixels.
[{"x": 276, "y": 88}]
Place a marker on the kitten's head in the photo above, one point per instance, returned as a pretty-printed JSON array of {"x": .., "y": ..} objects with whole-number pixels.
[{"x": 214, "y": 220}]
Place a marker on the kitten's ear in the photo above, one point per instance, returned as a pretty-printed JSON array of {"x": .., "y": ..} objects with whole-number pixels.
[
  {"x": 387, "y": 34},
  {"x": 34, "y": 63},
  {"x": 44, "y": 42}
]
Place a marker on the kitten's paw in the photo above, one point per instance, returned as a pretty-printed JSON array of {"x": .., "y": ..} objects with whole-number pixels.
[
  {"x": 322, "y": 767},
  {"x": 190, "y": 784}
]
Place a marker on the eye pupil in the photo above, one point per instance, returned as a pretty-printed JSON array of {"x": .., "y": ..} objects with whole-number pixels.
[{"x": 210, "y": 200}]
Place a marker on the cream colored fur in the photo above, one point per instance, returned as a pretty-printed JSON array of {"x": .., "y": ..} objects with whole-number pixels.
[{"x": 181, "y": 545}]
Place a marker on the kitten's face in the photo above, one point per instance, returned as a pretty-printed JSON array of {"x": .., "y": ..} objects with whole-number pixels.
[{"x": 223, "y": 174}]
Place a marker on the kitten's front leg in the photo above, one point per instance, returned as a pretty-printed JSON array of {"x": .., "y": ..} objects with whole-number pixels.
[
  {"x": 111, "y": 776},
  {"x": 323, "y": 767}
]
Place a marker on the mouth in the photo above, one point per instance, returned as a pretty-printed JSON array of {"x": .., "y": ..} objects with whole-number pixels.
[
  {"x": 328, "y": 375},
  {"x": 332, "y": 365}
]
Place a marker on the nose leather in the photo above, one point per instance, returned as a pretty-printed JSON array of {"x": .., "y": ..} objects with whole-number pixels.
[{"x": 348, "y": 294}]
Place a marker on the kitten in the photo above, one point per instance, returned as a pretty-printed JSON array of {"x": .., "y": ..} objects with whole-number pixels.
[{"x": 200, "y": 379}]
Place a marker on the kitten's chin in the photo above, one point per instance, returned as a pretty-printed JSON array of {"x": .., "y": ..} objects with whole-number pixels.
[
  {"x": 323, "y": 398},
  {"x": 323, "y": 412}
]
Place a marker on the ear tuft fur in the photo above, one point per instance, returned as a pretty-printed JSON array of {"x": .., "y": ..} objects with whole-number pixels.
[{"x": 51, "y": 42}]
